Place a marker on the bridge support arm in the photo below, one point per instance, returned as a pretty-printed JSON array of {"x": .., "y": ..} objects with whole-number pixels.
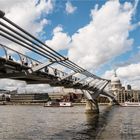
[
  {"x": 114, "y": 101},
  {"x": 94, "y": 85},
  {"x": 106, "y": 83},
  {"x": 80, "y": 80},
  {"x": 92, "y": 80},
  {"x": 96, "y": 93},
  {"x": 46, "y": 64},
  {"x": 67, "y": 76},
  {"x": 87, "y": 94},
  {"x": 40, "y": 66}
]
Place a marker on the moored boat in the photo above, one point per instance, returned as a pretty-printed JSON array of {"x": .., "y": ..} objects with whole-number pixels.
[
  {"x": 58, "y": 104},
  {"x": 131, "y": 104}
]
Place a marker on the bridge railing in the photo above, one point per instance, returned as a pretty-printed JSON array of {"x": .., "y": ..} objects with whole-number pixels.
[{"x": 15, "y": 56}]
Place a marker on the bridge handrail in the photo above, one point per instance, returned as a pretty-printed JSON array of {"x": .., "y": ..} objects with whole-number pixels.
[
  {"x": 19, "y": 53},
  {"x": 58, "y": 71}
]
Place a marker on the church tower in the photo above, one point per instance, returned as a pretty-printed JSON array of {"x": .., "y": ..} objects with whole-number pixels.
[{"x": 115, "y": 84}]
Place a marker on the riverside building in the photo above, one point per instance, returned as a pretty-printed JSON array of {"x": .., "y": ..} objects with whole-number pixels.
[
  {"x": 29, "y": 98},
  {"x": 122, "y": 95}
]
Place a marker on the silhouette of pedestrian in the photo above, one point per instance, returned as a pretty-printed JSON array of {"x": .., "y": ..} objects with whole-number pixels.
[
  {"x": 55, "y": 72},
  {"x": 46, "y": 69},
  {"x": 10, "y": 58}
]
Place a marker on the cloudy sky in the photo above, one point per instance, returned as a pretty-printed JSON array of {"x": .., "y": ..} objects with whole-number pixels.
[{"x": 98, "y": 35}]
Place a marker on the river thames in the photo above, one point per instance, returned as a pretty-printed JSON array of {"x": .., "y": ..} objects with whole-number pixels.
[{"x": 43, "y": 123}]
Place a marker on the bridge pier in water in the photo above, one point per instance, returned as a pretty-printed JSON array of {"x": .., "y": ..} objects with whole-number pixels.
[{"x": 92, "y": 106}]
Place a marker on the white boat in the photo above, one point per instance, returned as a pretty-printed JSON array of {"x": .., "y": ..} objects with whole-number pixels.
[
  {"x": 131, "y": 104},
  {"x": 65, "y": 104},
  {"x": 58, "y": 104}
]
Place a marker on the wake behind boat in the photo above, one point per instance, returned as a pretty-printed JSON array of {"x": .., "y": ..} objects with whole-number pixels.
[
  {"x": 131, "y": 104},
  {"x": 58, "y": 104}
]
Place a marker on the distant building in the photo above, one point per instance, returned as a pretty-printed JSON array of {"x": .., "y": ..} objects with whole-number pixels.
[
  {"x": 31, "y": 98},
  {"x": 102, "y": 99},
  {"x": 2, "y": 91},
  {"x": 72, "y": 97},
  {"x": 4, "y": 95},
  {"x": 128, "y": 87},
  {"x": 121, "y": 93},
  {"x": 56, "y": 96}
]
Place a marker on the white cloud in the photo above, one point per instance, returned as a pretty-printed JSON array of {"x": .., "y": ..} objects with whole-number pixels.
[
  {"x": 108, "y": 74},
  {"x": 22, "y": 87},
  {"x": 28, "y": 13},
  {"x": 105, "y": 37},
  {"x": 60, "y": 39},
  {"x": 129, "y": 73},
  {"x": 11, "y": 84},
  {"x": 57, "y": 29},
  {"x": 38, "y": 88},
  {"x": 70, "y": 8}
]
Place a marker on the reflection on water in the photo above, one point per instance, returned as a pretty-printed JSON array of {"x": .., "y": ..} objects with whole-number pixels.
[
  {"x": 42, "y": 123},
  {"x": 96, "y": 123},
  {"x": 123, "y": 123}
]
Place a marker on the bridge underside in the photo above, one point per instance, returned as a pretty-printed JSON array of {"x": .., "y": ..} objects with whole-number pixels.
[{"x": 16, "y": 71}]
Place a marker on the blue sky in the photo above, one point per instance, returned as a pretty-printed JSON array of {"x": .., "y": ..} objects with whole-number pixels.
[
  {"x": 98, "y": 35},
  {"x": 71, "y": 23},
  {"x": 81, "y": 17}
]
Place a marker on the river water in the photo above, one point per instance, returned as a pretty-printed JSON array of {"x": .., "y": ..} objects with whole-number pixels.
[{"x": 44, "y": 123}]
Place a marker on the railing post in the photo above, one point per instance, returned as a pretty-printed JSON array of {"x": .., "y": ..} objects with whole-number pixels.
[
  {"x": 67, "y": 76},
  {"x": 39, "y": 67}
]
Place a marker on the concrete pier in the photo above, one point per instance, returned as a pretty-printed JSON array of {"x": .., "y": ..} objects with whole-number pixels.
[{"x": 92, "y": 106}]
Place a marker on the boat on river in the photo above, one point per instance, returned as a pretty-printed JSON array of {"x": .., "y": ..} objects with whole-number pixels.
[
  {"x": 131, "y": 104},
  {"x": 58, "y": 104},
  {"x": 3, "y": 103}
]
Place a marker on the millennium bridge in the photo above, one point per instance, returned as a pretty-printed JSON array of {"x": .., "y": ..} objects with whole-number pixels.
[{"x": 44, "y": 65}]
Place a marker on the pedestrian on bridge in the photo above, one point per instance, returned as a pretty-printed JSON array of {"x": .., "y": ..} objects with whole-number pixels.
[
  {"x": 46, "y": 70},
  {"x": 24, "y": 62},
  {"x": 10, "y": 58},
  {"x": 55, "y": 72}
]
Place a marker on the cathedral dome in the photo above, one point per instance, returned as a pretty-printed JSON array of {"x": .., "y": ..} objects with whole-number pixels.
[
  {"x": 115, "y": 79},
  {"x": 115, "y": 83}
]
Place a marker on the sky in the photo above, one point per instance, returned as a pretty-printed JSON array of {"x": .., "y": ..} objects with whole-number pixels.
[{"x": 99, "y": 35}]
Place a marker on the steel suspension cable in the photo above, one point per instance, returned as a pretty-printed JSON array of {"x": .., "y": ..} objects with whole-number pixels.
[
  {"x": 52, "y": 53},
  {"x": 18, "y": 27}
]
